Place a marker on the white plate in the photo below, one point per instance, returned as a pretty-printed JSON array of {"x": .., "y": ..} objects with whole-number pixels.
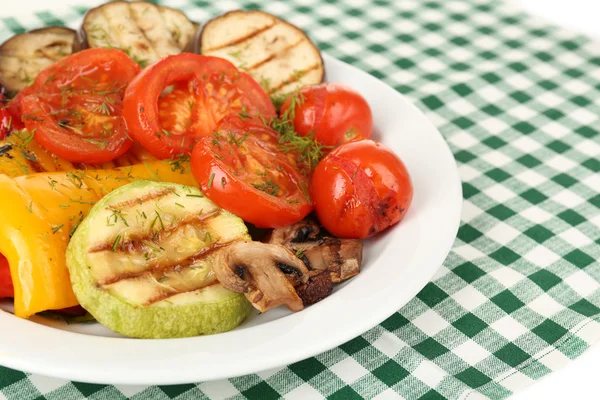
[{"x": 397, "y": 264}]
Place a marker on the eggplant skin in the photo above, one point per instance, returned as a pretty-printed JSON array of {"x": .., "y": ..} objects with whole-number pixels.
[
  {"x": 145, "y": 31},
  {"x": 278, "y": 55},
  {"x": 24, "y": 56}
]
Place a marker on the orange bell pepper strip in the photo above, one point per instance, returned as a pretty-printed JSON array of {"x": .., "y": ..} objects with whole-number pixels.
[{"x": 39, "y": 213}]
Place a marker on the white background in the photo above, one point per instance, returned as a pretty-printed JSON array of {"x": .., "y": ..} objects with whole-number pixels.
[{"x": 579, "y": 379}]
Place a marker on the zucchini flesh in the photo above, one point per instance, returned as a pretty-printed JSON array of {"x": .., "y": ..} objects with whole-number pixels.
[{"x": 141, "y": 262}]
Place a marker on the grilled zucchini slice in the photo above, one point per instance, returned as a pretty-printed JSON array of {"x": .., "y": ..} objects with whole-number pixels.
[
  {"x": 145, "y": 31},
  {"x": 24, "y": 56},
  {"x": 141, "y": 262},
  {"x": 280, "y": 56}
]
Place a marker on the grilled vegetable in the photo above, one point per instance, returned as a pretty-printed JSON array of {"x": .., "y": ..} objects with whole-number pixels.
[
  {"x": 341, "y": 258},
  {"x": 21, "y": 155},
  {"x": 24, "y": 56},
  {"x": 146, "y": 32},
  {"x": 38, "y": 214},
  {"x": 265, "y": 273},
  {"x": 6, "y": 286},
  {"x": 141, "y": 262},
  {"x": 280, "y": 56}
]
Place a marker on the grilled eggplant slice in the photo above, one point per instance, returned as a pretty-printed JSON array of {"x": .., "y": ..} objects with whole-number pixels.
[
  {"x": 24, "y": 56},
  {"x": 280, "y": 56},
  {"x": 145, "y": 31},
  {"x": 142, "y": 262}
]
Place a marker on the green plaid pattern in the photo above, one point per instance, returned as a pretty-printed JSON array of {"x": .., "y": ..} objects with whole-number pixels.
[{"x": 517, "y": 298}]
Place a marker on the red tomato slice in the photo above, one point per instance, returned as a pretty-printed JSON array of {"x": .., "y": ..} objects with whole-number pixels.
[
  {"x": 14, "y": 108},
  {"x": 181, "y": 98},
  {"x": 242, "y": 168},
  {"x": 75, "y": 106},
  {"x": 5, "y": 122},
  {"x": 6, "y": 286}
]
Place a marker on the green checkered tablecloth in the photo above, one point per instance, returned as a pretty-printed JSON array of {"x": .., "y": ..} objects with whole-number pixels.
[{"x": 517, "y": 298}]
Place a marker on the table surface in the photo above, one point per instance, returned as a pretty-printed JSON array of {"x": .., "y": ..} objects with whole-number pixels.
[{"x": 579, "y": 378}]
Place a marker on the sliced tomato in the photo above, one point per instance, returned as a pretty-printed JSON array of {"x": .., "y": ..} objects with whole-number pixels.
[
  {"x": 242, "y": 168},
  {"x": 181, "y": 98},
  {"x": 14, "y": 108},
  {"x": 6, "y": 286},
  {"x": 75, "y": 106},
  {"x": 5, "y": 122}
]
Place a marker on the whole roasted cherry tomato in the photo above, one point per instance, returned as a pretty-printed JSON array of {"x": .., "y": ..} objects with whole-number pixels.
[
  {"x": 242, "y": 168},
  {"x": 75, "y": 106},
  {"x": 334, "y": 113},
  {"x": 361, "y": 188},
  {"x": 181, "y": 98}
]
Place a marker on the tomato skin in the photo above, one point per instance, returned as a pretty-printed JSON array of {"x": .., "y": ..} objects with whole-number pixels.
[
  {"x": 360, "y": 189},
  {"x": 5, "y": 122},
  {"x": 230, "y": 179},
  {"x": 6, "y": 286},
  {"x": 334, "y": 113},
  {"x": 197, "y": 81},
  {"x": 15, "y": 110},
  {"x": 75, "y": 106}
]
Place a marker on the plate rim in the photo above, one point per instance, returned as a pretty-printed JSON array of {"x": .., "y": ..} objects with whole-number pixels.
[{"x": 44, "y": 368}]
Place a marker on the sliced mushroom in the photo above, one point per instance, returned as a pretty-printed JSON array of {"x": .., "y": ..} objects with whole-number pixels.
[
  {"x": 265, "y": 273},
  {"x": 341, "y": 257}
]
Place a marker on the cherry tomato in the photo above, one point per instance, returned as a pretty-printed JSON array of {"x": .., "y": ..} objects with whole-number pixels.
[
  {"x": 242, "y": 168},
  {"x": 334, "y": 113},
  {"x": 6, "y": 286},
  {"x": 75, "y": 108},
  {"x": 181, "y": 98},
  {"x": 361, "y": 188}
]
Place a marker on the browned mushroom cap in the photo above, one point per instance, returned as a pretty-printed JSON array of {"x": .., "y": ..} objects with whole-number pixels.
[
  {"x": 265, "y": 273},
  {"x": 341, "y": 257}
]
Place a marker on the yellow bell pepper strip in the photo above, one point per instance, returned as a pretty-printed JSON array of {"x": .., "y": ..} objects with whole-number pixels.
[
  {"x": 39, "y": 213},
  {"x": 21, "y": 155}
]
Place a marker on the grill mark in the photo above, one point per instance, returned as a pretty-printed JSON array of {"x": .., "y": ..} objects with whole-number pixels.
[
  {"x": 139, "y": 29},
  {"x": 138, "y": 200},
  {"x": 243, "y": 38},
  {"x": 272, "y": 56},
  {"x": 172, "y": 39},
  {"x": 108, "y": 39},
  {"x": 166, "y": 295},
  {"x": 137, "y": 243},
  {"x": 295, "y": 78},
  {"x": 34, "y": 165},
  {"x": 160, "y": 269}
]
